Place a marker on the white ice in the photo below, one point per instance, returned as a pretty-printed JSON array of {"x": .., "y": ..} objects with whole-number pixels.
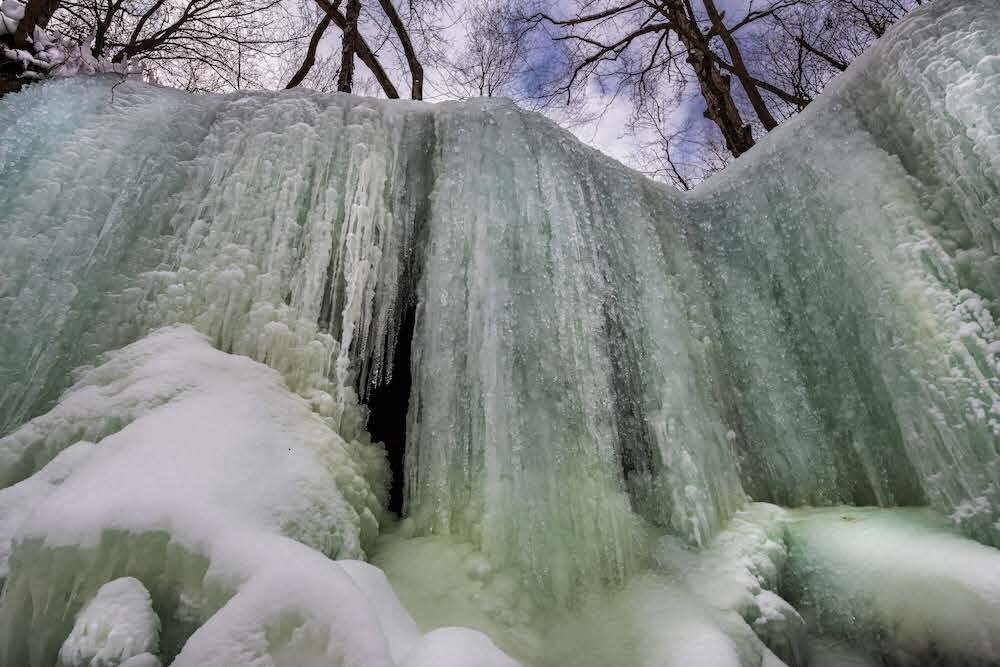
[{"x": 117, "y": 625}]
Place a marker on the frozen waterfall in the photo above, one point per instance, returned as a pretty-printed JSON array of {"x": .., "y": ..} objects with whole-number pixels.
[{"x": 607, "y": 389}]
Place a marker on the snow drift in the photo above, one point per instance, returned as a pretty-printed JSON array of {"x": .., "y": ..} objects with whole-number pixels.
[{"x": 199, "y": 295}]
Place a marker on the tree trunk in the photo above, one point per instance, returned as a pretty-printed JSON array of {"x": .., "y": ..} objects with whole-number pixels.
[
  {"x": 345, "y": 81},
  {"x": 36, "y": 13},
  {"x": 101, "y": 33},
  {"x": 416, "y": 69},
  {"x": 715, "y": 86},
  {"x": 739, "y": 67},
  {"x": 310, "y": 58},
  {"x": 364, "y": 52},
  {"x": 9, "y": 83}
]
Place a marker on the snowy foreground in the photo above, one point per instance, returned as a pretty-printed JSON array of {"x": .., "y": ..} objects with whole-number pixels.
[{"x": 199, "y": 296}]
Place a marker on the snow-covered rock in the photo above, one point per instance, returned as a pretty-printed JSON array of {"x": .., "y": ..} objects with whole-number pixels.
[{"x": 117, "y": 625}]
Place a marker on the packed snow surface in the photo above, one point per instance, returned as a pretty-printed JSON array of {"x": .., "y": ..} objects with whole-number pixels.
[{"x": 200, "y": 294}]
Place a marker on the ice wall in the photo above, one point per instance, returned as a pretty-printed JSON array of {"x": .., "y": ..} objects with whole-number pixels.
[
  {"x": 595, "y": 359},
  {"x": 872, "y": 255}
]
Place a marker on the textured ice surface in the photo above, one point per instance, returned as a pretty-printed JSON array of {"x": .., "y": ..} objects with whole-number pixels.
[
  {"x": 597, "y": 362},
  {"x": 898, "y": 580},
  {"x": 117, "y": 625},
  {"x": 833, "y": 586}
]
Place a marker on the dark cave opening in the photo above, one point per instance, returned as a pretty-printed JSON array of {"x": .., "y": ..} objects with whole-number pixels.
[
  {"x": 388, "y": 401},
  {"x": 388, "y": 405}
]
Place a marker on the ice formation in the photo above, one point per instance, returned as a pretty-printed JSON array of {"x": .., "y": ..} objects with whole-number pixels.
[
  {"x": 117, "y": 625},
  {"x": 200, "y": 295},
  {"x": 46, "y": 54}
]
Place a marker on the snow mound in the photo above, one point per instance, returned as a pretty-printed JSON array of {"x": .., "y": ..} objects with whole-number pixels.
[
  {"x": 18, "y": 500},
  {"x": 216, "y": 488},
  {"x": 455, "y": 647},
  {"x": 117, "y": 625}
]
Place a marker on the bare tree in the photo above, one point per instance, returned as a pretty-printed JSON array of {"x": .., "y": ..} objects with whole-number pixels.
[
  {"x": 181, "y": 41},
  {"x": 681, "y": 154},
  {"x": 641, "y": 44},
  {"x": 348, "y": 47},
  {"x": 750, "y": 71},
  {"x": 18, "y": 48},
  {"x": 816, "y": 39},
  {"x": 310, "y": 57},
  {"x": 492, "y": 58},
  {"x": 384, "y": 25}
]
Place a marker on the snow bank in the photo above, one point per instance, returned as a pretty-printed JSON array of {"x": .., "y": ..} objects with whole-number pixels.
[
  {"x": 454, "y": 647},
  {"x": 221, "y": 492},
  {"x": 18, "y": 500},
  {"x": 117, "y": 625}
]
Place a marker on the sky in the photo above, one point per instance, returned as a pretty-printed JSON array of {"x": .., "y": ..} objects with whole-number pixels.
[
  {"x": 607, "y": 127},
  {"x": 605, "y": 117},
  {"x": 602, "y": 120}
]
